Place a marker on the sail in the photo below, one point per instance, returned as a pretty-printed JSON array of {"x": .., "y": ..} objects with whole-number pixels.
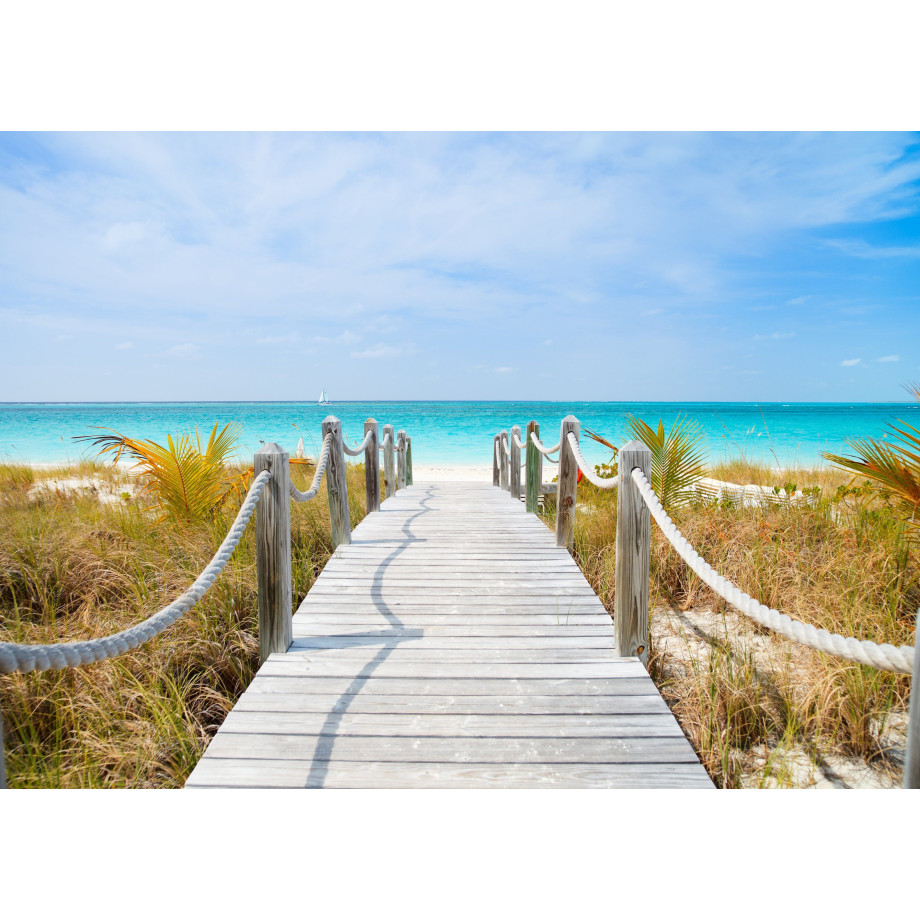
[{"x": 322, "y": 396}]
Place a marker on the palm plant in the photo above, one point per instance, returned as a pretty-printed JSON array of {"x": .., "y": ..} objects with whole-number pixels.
[
  {"x": 892, "y": 467},
  {"x": 186, "y": 482},
  {"x": 678, "y": 457}
]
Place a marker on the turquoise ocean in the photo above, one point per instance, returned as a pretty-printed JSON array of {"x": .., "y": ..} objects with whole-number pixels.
[{"x": 454, "y": 433}]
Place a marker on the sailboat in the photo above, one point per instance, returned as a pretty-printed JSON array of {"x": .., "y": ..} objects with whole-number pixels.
[{"x": 322, "y": 401}]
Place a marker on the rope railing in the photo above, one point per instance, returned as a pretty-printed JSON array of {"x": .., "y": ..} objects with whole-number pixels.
[
  {"x": 637, "y": 504},
  {"x": 310, "y": 494},
  {"x": 354, "y": 452},
  {"x": 546, "y": 451},
  {"x": 899, "y": 659},
  {"x": 589, "y": 473},
  {"x": 272, "y": 490},
  {"x": 25, "y": 658}
]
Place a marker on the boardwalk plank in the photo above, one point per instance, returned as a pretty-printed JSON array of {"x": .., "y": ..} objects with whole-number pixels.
[{"x": 452, "y": 644}]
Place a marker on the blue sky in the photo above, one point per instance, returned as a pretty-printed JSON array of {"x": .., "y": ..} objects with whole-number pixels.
[{"x": 449, "y": 266}]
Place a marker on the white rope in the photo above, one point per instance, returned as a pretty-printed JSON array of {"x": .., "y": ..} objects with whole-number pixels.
[
  {"x": 387, "y": 440},
  {"x": 358, "y": 450},
  {"x": 887, "y": 657},
  {"x": 15, "y": 657},
  {"x": 517, "y": 442},
  {"x": 310, "y": 494},
  {"x": 590, "y": 475},
  {"x": 546, "y": 451}
]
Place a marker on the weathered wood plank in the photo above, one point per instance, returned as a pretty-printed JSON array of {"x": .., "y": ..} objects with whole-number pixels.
[
  {"x": 273, "y": 551},
  {"x": 632, "y": 553},
  {"x": 449, "y": 725},
  {"x": 458, "y": 705},
  {"x": 298, "y": 774},
  {"x": 451, "y": 644}
]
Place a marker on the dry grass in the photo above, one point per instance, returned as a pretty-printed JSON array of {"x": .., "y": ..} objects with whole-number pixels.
[
  {"x": 845, "y": 566},
  {"x": 72, "y": 568}
]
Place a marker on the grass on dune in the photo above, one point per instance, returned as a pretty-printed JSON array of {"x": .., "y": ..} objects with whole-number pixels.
[
  {"x": 73, "y": 568},
  {"x": 843, "y": 564}
]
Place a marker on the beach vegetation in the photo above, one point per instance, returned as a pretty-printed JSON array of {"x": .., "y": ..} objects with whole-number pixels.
[
  {"x": 678, "y": 457},
  {"x": 890, "y": 467},
  {"x": 759, "y": 709},
  {"x": 73, "y": 567},
  {"x": 186, "y": 482}
]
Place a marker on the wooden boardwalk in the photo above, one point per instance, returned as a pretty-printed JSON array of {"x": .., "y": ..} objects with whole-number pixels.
[{"x": 452, "y": 644}]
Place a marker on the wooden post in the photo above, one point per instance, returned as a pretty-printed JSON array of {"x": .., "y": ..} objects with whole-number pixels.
[
  {"x": 337, "y": 484},
  {"x": 408, "y": 461},
  {"x": 568, "y": 485},
  {"x": 515, "y": 484},
  {"x": 496, "y": 460},
  {"x": 632, "y": 555},
  {"x": 912, "y": 760},
  {"x": 372, "y": 466},
  {"x": 534, "y": 469},
  {"x": 273, "y": 552},
  {"x": 2, "y": 756},
  {"x": 503, "y": 460},
  {"x": 401, "y": 459},
  {"x": 389, "y": 462}
]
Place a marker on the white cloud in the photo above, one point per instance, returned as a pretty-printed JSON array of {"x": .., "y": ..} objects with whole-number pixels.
[
  {"x": 850, "y": 362},
  {"x": 653, "y": 312},
  {"x": 345, "y": 338},
  {"x": 122, "y": 346},
  {"x": 890, "y": 358},
  {"x": 774, "y": 335},
  {"x": 797, "y": 300},
  {"x": 505, "y": 370},
  {"x": 380, "y": 350},
  {"x": 278, "y": 339},
  {"x": 187, "y": 350},
  {"x": 862, "y": 250}
]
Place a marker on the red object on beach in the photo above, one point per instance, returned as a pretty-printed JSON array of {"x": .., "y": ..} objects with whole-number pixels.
[{"x": 581, "y": 476}]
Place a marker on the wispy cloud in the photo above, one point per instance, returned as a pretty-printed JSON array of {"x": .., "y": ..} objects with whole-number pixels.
[
  {"x": 850, "y": 362},
  {"x": 863, "y": 250},
  {"x": 287, "y": 339},
  {"x": 381, "y": 350},
  {"x": 123, "y": 346},
  {"x": 504, "y": 370},
  {"x": 186, "y": 350},
  {"x": 888, "y": 358},
  {"x": 466, "y": 244}
]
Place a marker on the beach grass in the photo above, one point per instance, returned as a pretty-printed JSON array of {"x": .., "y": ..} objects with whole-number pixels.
[
  {"x": 759, "y": 709},
  {"x": 73, "y": 567},
  {"x": 744, "y": 696}
]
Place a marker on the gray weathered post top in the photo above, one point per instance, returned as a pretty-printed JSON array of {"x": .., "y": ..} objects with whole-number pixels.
[
  {"x": 337, "y": 483},
  {"x": 401, "y": 459},
  {"x": 912, "y": 760},
  {"x": 632, "y": 554},
  {"x": 273, "y": 552},
  {"x": 496, "y": 460},
  {"x": 568, "y": 483},
  {"x": 534, "y": 469},
  {"x": 389, "y": 461},
  {"x": 514, "y": 485},
  {"x": 372, "y": 465}
]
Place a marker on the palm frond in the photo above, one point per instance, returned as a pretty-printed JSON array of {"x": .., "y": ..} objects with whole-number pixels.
[
  {"x": 678, "y": 457},
  {"x": 892, "y": 466},
  {"x": 186, "y": 483}
]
